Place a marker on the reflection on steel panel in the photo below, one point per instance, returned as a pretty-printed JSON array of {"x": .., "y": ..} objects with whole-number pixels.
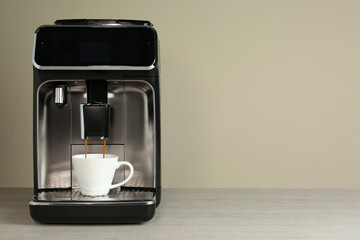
[
  {"x": 140, "y": 133},
  {"x": 54, "y": 131}
]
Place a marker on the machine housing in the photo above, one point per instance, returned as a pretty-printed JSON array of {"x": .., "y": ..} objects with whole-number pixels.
[{"x": 123, "y": 56}]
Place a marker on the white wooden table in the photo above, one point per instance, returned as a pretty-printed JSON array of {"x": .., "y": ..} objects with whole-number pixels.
[{"x": 207, "y": 214}]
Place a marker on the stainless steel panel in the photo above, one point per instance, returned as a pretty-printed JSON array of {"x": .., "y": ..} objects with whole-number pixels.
[
  {"x": 54, "y": 131},
  {"x": 116, "y": 99},
  {"x": 116, "y": 194},
  {"x": 132, "y": 124},
  {"x": 140, "y": 133},
  {"x": 78, "y": 96}
]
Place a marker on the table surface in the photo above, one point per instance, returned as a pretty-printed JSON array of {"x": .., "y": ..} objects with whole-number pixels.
[{"x": 207, "y": 214}]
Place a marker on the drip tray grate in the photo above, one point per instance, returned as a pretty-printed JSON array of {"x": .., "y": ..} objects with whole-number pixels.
[{"x": 116, "y": 194}]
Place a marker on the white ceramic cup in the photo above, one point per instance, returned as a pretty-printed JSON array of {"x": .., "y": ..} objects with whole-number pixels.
[{"x": 95, "y": 173}]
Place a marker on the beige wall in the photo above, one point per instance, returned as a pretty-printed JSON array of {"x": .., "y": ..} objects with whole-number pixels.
[{"x": 254, "y": 93}]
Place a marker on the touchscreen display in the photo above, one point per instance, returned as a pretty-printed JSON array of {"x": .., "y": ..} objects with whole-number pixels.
[{"x": 84, "y": 46}]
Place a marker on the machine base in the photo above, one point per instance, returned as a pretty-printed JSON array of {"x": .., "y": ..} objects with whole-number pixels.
[
  {"x": 69, "y": 206},
  {"x": 93, "y": 213}
]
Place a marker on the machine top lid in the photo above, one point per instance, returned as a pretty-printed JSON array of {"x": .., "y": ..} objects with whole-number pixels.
[{"x": 111, "y": 22}]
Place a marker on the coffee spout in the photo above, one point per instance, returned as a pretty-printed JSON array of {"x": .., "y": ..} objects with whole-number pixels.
[{"x": 95, "y": 114}]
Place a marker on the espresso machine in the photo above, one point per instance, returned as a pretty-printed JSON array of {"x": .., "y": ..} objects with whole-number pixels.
[{"x": 96, "y": 80}]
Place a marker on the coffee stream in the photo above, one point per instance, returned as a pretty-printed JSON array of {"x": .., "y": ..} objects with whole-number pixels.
[
  {"x": 86, "y": 148},
  {"x": 104, "y": 148}
]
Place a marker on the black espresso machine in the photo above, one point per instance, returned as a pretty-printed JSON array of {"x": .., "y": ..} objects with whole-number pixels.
[{"x": 112, "y": 66}]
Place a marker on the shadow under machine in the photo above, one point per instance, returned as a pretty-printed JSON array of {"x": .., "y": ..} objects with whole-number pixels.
[{"x": 96, "y": 79}]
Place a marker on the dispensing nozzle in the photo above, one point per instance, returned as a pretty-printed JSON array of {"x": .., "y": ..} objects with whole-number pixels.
[
  {"x": 60, "y": 95},
  {"x": 95, "y": 114},
  {"x": 95, "y": 120}
]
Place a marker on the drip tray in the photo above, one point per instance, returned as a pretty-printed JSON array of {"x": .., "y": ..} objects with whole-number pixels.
[
  {"x": 121, "y": 205},
  {"x": 116, "y": 194}
]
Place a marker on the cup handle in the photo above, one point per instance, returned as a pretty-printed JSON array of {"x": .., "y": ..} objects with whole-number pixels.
[{"x": 118, "y": 164}]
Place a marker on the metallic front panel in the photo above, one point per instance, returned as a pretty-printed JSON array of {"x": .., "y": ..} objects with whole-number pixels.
[
  {"x": 140, "y": 133},
  {"x": 54, "y": 136},
  {"x": 116, "y": 99},
  {"x": 132, "y": 126}
]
